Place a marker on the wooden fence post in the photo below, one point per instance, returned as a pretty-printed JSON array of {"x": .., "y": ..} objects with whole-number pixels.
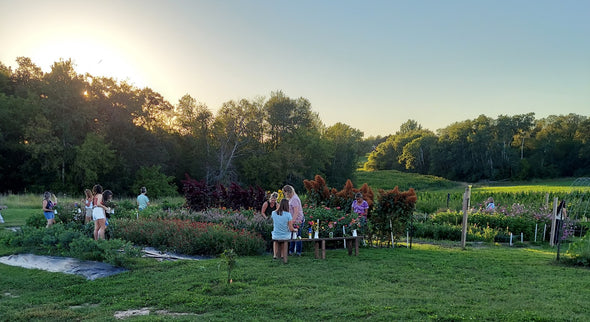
[
  {"x": 466, "y": 197},
  {"x": 553, "y": 222}
]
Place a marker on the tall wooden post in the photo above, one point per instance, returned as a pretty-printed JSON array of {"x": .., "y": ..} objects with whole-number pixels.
[
  {"x": 466, "y": 197},
  {"x": 553, "y": 222}
]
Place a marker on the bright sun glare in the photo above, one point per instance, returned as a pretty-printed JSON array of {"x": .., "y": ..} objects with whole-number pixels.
[{"x": 89, "y": 56}]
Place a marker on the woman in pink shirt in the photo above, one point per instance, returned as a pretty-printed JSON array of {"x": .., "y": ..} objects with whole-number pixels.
[{"x": 296, "y": 211}]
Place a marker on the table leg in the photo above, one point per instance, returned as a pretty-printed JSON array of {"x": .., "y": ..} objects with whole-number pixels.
[
  {"x": 316, "y": 246},
  {"x": 349, "y": 247},
  {"x": 323, "y": 249},
  {"x": 285, "y": 247},
  {"x": 356, "y": 246}
]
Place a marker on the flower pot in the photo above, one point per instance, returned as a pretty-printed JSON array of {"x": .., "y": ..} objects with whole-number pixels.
[
  {"x": 331, "y": 234},
  {"x": 317, "y": 234},
  {"x": 354, "y": 233}
]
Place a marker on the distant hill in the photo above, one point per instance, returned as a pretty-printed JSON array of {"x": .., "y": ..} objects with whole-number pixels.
[{"x": 388, "y": 179}]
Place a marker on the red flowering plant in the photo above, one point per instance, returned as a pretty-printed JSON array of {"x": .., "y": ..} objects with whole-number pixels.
[
  {"x": 328, "y": 228},
  {"x": 355, "y": 224},
  {"x": 329, "y": 219}
]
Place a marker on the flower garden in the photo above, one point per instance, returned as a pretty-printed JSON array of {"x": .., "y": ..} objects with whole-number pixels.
[{"x": 211, "y": 220}]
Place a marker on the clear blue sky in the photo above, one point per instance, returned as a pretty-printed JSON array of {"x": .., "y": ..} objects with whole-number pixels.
[{"x": 369, "y": 64}]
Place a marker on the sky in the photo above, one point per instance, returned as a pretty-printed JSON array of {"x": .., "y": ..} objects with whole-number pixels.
[{"x": 370, "y": 64}]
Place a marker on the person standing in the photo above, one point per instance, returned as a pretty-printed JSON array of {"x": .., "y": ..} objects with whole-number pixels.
[
  {"x": 142, "y": 200},
  {"x": 296, "y": 211},
  {"x": 360, "y": 206},
  {"x": 269, "y": 206},
  {"x": 2, "y": 218},
  {"x": 282, "y": 223},
  {"x": 490, "y": 204},
  {"x": 560, "y": 216},
  {"x": 48, "y": 210},
  {"x": 107, "y": 197},
  {"x": 98, "y": 213},
  {"x": 88, "y": 206}
]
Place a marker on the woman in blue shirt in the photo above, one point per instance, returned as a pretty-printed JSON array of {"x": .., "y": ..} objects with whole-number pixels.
[{"x": 282, "y": 222}]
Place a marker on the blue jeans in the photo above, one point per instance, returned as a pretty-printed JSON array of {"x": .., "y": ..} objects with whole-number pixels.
[{"x": 298, "y": 245}]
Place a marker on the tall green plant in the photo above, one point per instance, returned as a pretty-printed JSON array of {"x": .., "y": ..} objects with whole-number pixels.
[
  {"x": 229, "y": 258},
  {"x": 393, "y": 212}
]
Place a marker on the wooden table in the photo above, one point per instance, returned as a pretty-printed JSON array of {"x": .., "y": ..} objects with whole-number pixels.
[{"x": 319, "y": 244}]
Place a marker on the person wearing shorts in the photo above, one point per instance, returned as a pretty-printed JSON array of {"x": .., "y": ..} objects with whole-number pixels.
[
  {"x": 98, "y": 213},
  {"x": 48, "y": 211}
]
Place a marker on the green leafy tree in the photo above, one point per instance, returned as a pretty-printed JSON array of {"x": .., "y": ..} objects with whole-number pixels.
[
  {"x": 94, "y": 159},
  {"x": 345, "y": 141},
  {"x": 157, "y": 183},
  {"x": 237, "y": 130}
]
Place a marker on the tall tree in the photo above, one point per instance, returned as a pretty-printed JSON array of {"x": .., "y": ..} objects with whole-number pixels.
[
  {"x": 344, "y": 141},
  {"x": 237, "y": 126}
]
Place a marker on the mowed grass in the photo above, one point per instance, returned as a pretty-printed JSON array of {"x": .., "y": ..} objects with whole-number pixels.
[{"x": 426, "y": 282}]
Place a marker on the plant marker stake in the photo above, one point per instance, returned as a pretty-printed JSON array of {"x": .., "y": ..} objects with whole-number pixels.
[
  {"x": 407, "y": 239},
  {"x": 391, "y": 226},
  {"x": 536, "y": 232},
  {"x": 344, "y": 235},
  {"x": 544, "y": 231},
  {"x": 521, "y": 237},
  {"x": 510, "y": 239}
]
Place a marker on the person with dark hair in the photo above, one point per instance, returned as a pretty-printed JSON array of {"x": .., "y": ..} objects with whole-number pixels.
[
  {"x": 269, "y": 206},
  {"x": 559, "y": 218},
  {"x": 48, "y": 210},
  {"x": 98, "y": 213},
  {"x": 282, "y": 223},
  {"x": 360, "y": 207},
  {"x": 142, "y": 200},
  {"x": 107, "y": 197}
]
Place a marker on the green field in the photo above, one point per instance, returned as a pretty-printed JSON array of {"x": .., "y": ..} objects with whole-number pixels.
[{"x": 423, "y": 283}]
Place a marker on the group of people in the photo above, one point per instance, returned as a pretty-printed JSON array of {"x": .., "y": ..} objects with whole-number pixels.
[
  {"x": 288, "y": 218},
  {"x": 95, "y": 208}
]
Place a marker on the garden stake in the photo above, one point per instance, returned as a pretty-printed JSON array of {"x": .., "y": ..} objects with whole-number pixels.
[
  {"x": 391, "y": 226},
  {"x": 544, "y": 231}
]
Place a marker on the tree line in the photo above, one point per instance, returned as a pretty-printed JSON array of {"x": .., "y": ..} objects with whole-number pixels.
[
  {"x": 65, "y": 131},
  {"x": 515, "y": 147}
]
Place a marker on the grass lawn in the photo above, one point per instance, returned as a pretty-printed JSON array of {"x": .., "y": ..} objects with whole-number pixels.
[
  {"x": 424, "y": 283},
  {"x": 18, "y": 216}
]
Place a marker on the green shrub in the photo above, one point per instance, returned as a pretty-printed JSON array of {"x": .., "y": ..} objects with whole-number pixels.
[
  {"x": 36, "y": 221},
  {"x": 62, "y": 241},
  {"x": 157, "y": 183},
  {"x": 190, "y": 237},
  {"x": 579, "y": 251}
]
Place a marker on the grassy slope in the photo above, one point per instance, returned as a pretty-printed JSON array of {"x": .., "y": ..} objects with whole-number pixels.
[{"x": 388, "y": 179}]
